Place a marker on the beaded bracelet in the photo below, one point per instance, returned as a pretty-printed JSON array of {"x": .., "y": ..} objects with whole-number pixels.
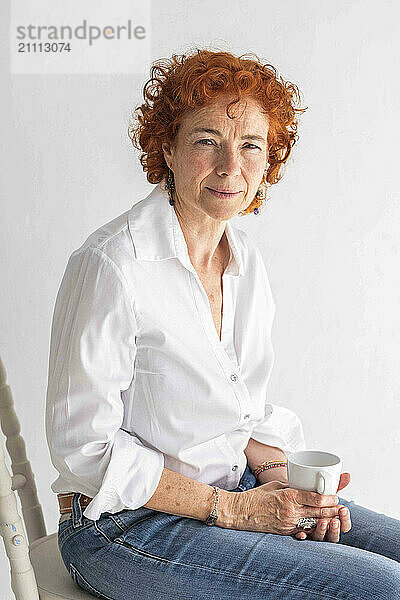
[{"x": 266, "y": 465}]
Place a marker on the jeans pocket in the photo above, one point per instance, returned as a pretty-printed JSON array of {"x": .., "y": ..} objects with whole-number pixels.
[
  {"x": 83, "y": 583},
  {"x": 68, "y": 530},
  {"x": 63, "y": 532},
  {"x": 128, "y": 527}
]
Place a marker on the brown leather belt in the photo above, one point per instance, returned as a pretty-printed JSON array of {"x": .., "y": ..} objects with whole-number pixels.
[{"x": 65, "y": 501}]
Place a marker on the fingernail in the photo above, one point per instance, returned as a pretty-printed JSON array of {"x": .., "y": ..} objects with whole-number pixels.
[
  {"x": 323, "y": 524},
  {"x": 343, "y": 511},
  {"x": 335, "y": 523}
]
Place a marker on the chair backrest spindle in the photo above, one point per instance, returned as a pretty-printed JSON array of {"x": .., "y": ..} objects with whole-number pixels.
[{"x": 23, "y": 582}]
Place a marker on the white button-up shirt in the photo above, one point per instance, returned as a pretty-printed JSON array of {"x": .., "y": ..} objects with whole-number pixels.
[{"x": 138, "y": 378}]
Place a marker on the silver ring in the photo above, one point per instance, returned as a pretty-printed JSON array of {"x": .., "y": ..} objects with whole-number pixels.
[{"x": 306, "y": 523}]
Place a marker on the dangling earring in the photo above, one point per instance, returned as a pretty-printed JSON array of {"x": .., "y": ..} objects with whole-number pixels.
[
  {"x": 261, "y": 193},
  {"x": 170, "y": 187}
]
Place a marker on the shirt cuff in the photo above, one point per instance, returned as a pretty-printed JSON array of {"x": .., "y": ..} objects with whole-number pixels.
[
  {"x": 280, "y": 428},
  {"x": 131, "y": 478}
]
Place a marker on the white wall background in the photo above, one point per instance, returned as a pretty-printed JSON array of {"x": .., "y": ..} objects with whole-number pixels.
[{"x": 329, "y": 235}]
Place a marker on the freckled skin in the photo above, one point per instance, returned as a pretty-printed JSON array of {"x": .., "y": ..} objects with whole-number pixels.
[{"x": 223, "y": 162}]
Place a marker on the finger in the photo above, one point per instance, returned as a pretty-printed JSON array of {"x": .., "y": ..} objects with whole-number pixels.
[
  {"x": 315, "y": 499},
  {"x": 333, "y": 531},
  {"x": 345, "y": 520},
  {"x": 319, "y": 532},
  {"x": 344, "y": 480},
  {"x": 319, "y": 513}
]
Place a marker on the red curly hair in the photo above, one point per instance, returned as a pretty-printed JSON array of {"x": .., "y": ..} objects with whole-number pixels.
[{"x": 187, "y": 81}]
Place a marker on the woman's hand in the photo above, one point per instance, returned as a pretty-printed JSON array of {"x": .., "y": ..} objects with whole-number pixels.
[
  {"x": 331, "y": 532},
  {"x": 276, "y": 508}
]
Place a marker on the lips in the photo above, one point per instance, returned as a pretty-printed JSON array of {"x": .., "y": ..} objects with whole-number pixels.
[{"x": 224, "y": 192}]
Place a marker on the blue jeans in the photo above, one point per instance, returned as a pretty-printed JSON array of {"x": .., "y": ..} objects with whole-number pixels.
[{"x": 153, "y": 555}]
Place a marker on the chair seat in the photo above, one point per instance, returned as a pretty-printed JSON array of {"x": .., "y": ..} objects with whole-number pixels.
[{"x": 53, "y": 580}]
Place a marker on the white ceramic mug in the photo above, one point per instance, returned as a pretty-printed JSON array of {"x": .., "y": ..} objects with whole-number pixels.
[{"x": 314, "y": 471}]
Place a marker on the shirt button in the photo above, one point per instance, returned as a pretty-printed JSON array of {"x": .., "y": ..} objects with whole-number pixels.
[
  {"x": 235, "y": 467},
  {"x": 234, "y": 377},
  {"x": 247, "y": 416}
]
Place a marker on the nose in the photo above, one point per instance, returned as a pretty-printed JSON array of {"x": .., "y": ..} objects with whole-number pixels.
[{"x": 228, "y": 163}]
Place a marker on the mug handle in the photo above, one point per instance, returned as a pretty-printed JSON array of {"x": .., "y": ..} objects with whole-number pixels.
[{"x": 321, "y": 484}]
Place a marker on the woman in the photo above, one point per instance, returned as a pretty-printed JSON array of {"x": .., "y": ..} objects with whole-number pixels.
[{"x": 160, "y": 356}]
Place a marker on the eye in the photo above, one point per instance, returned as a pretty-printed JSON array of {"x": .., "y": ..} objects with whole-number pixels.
[
  {"x": 253, "y": 146},
  {"x": 204, "y": 140}
]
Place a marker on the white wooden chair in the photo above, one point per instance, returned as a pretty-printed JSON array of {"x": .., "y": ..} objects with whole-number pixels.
[{"x": 36, "y": 567}]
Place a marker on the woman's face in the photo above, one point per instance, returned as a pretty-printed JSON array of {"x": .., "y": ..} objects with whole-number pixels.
[{"x": 213, "y": 152}]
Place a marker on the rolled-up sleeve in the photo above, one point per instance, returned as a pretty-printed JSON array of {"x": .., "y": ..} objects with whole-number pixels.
[
  {"x": 91, "y": 361},
  {"x": 281, "y": 427}
]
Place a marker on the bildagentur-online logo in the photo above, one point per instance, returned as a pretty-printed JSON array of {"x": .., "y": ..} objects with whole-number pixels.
[{"x": 80, "y": 32}]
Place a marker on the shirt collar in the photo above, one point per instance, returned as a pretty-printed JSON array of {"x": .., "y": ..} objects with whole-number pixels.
[{"x": 157, "y": 234}]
